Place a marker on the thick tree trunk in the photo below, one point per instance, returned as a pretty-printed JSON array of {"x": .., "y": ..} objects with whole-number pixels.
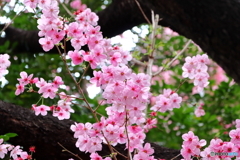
[{"x": 45, "y": 132}]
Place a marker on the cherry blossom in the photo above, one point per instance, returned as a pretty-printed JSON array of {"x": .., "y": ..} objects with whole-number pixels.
[
  {"x": 199, "y": 111},
  {"x": 46, "y": 43},
  {"x": 76, "y": 56},
  {"x": 235, "y": 136},
  {"x": 31, "y": 3},
  {"x": 25, "y": 78},
  {"x": 48, "y": 91},
  {"x": 196, "y": 68},
  {"x": 20, "y": 89},
  {"x": 42, "y": 109}
]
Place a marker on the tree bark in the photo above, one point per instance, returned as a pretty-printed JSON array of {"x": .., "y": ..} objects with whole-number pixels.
[{"x": 45, "y": 132}]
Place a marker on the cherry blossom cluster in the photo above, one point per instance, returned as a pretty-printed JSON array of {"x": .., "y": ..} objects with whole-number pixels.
[
  {"x": 167, "y": 101},
  {"x": 61, "y": 110},
  {"x": 91, "y": 136},
  {"x": 16, "y": 153},
  {"x": 196, "y": 68},
  {"x": 84, "y": 31},
  {"x": 4, "y": 64},
  {"x": 127, "y": 93},
  {"x": 191, "y": 146}
]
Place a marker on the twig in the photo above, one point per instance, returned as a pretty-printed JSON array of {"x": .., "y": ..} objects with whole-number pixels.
[
  {"x": 126, "y": 120},
  {"x": 168, "y": 64},
  {"x": 85, "y": 70},
  {"x": 8, "y": 24},
  {"x": 66, "y": 9},
  {"x": 175, "y": 156},
  {"x": 120, "y": 153},
  {"x": 155, "y": 20},
  {"x": 144, "y": 15},
  {"x": 139, "y": 62},
  {"x": 65, "y": 149}
]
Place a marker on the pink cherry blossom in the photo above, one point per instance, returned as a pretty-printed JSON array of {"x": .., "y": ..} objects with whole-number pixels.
[
  {"x": 46, "y": 43},
  {"x": 41, "y": 83},
  {"x": 206, "y": 155},
  {"x": 76, "y": 56},
  {"x": 78, "y": 42},
  {"x": 95, "y": 156},
  {"x": 83, "y": 143},
  {"x": 15, "y": 152},
  {"x": 235, "y": 136},
  {"x": 62, "y": 114},
  {"x": 76, "y": 4},
  {"x": 3, "y": 150},
  {"x": 51, "y": 11},
  {"x": 57, "y": 36},
  {"x": 187, "y": 151},
  {"x": 97, "y": 78},
  {"x": 229, "y": 147},
  {"x": 25, "y": 79},
  {"x": 199, "y": 111},
  {"x": 20, "y": 89},
  {"x": 4, "y": 61},
  {"x": 175, "y": 100},
  {"x": 95, "y": 145},
  {"x": 95, "y": 41},
  {"x": 48, "y": 91},
  {"x": 189, "y": 138},
  {"x": 196, "y": 68},
  {"x": 31, "y": 3},
  {"x": 74, "y": 30},
  {"x": 43, "y": 3},
  {"x": 57, "y": 81},
  {"x": 42, "y": 109},
  {"x": 91, "y": 60},
  {"x": 97, "y": 52},
  {"x": 146, "y": 149},
  {"x": 115, "y": 59}
]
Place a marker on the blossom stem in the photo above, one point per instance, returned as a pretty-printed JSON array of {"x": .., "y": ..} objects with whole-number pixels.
[
  {"x": 65, "y": 149},
  {"x": 178, "y": 54}
]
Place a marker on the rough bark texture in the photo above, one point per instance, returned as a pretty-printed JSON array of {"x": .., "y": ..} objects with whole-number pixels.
[{"x": 45, "y": 132}]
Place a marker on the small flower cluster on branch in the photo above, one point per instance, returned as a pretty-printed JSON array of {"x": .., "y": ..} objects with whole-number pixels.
[
  {"x": 16, "y": 153},
  {"x": 196, "y": 68},
  {"x": 61, "y": 110}
]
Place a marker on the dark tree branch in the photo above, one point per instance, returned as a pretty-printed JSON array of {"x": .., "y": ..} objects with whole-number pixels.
[{"x": 45, "y": 132}]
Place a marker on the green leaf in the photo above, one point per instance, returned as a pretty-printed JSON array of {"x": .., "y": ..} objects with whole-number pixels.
[{"x": 7, "y": 136}]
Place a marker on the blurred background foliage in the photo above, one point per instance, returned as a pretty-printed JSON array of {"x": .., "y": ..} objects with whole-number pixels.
[{"x": 220, "y": 98}]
